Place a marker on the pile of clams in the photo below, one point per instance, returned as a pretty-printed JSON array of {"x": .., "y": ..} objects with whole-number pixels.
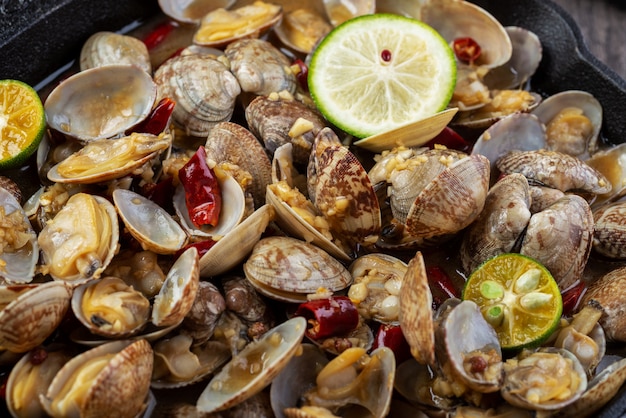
[{"x": 204, "y": 243}]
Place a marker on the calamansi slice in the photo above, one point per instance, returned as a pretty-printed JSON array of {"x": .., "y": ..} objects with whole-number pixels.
[
  {"x": 22, "y": 122},
  {"x": 378, "y": 72},
  {"x": 519, "y": 297}
]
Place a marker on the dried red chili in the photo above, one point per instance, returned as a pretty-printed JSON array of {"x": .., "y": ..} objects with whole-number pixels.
[
  {"x": 159, "y": 34},
  {"x": 158, "y": 119},
  {"x": 201, "y": 246},
  {"x": 450, "y": 139},
  {"x": 391, "y": 336},
  {"x": 333, "y": 316},
  {"x": 466, "y": 49},
  {"x": 440, "y": 280},
  {"x": 202, "y": 190},
  {"x": 572, "y": 297},
  {"x": 303, "y": 74}
]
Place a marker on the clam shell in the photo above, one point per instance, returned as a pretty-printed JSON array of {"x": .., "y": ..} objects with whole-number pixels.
[
  {"x": 266, "y": 357},
  {"x": 102, "y": 160},
  {"x": 338, "y": 11},
  {"x": 232, "y": 142},
  {"x": 132, "y": 308},
  {"x": 416, "y": 316},
  {"x": 179, "y": 290},
  {"x": 233, "y": 248},
  {"x": 452, "y": 201},
  {"x": 609, "y": 235},
  {"x": 192, "y": 11},
  {"x": 260, "y": 67},
  {"x": 80, "y": 220},
  {"x": 149, "y": 223},
  {"x": 555, "y": 169},
  {"x": 18, "y": 266},
  {"x": 204, "y": 89},
  {"x": 288, "y": 269},
  {"x": 608, "y": 291},
  {"x": 231, "y": 213},
  {"x": 560, "y": 238},
  {"x": 612, "y": 164},
  {"x": 122, "y": 385},
  {"x": 100, "y": 102},
  {"x": 33, "y": 315},
  {"x": 106, "y": 48},
  {"x": 302, "y": 28}
]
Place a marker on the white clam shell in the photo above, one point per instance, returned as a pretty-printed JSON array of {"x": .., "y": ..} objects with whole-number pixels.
[{"x": 149, "y": 223}]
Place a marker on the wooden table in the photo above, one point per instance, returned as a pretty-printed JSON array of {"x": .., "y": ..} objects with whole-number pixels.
[{"x": 603, "y": 26}]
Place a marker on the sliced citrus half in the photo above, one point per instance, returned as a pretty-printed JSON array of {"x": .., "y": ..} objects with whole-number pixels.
[
  {"x": 519, "y": 297},
  {"x": 378, "y": 72},
  {"x": 22, "y": 122}
]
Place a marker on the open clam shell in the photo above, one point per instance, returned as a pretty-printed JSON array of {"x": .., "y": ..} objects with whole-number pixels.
[
  {"x": 288, "y": 269},
  {"x": 254, "y": 367},
  {"x": 109, "y": 48},
  {"x": 105, "y": 159},
  {"x": 179, "y": 290},
  {"x": 100, "y": 102},
  {"x": 119, "y": 380},
  {"x": 192, "y": 11},
  {"x": 149, "y": 223},
  {"x": 18, "y": 263},
  {"x": 233, "y": 248},
  {"x": 34, "y": 314},
  {"x": 302, "y": 28}
]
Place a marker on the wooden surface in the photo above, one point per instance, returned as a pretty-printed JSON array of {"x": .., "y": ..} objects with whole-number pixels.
[{"x": 603, "y": 26}]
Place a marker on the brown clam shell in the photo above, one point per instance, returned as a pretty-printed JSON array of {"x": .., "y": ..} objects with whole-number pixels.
[
  {"x": 609, "y": 236},
  {"x": 231, "y": 142},
  {"x": 610, "y": 292}
]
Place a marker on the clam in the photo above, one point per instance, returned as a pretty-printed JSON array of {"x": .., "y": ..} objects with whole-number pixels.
[
  {"x": 355, "y": 382},
  {"x": 203, "y": 88},
  {"x": 231, "y": 213},
  {"x": 502, "y": 221},
  {"x": 149, "y": 223},
  {"x": 109, "y": 48},
  {"x": 112, "y": 377},
  {"x": 192, "y": 11},
  {"x": 250, "y": 371},
  {"x": 202, "y": 318},
  {"x": 81, "y": 239},
  {"x": 279, "y": 119},
  {"x": 609, "y": 235},
  {"x": 302, "y": 28},
  {"x": 573, "y": 120},
  {"x": 221, "y": 26},
  {"x": 464, "y": 336},
  {"x": 102, "y": 160},
  {"x": 31, "y": 377},
  {"x": 376, "y": 289},
  {"x": 233, "y": 248},
  {"x": 31, "y": 313},
  {"x": 338, "y": 11},
  {"x": 611, "y": 162},
  {"x": 607, "y": 291},
  {"x": 19, "y": 249},
  {"x": 288, "y": 269},
  {"x": 416, "y": 316},
  {"x": 260, "y": 67},
  {"x": 235, "y": 144},
  {"x": 100, "y": 102},
  {"x": 177, "y": 363},
  {"x": 555, "y": 169},
  {"x": 544, "y": 380},
  {"x": 560, "y": 238},
  {"x": 110, "y": 308},
  {"x": 178, "y": 292}
]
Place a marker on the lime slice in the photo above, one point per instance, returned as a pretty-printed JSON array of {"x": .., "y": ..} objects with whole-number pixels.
[
  {"x": 519, "y": 297},
  {"x": 378, "y": 72},
  {"x": 22, "y": 122}
]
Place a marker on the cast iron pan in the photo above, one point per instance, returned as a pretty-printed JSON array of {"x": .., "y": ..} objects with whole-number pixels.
[{"x": 37, "y": 37}]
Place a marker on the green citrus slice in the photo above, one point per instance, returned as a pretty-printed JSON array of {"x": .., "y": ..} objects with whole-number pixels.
[
  {"x": 519, "y": 297},
  {"x": 378, "y": 72},
  {"x": 22, "y": 122}
]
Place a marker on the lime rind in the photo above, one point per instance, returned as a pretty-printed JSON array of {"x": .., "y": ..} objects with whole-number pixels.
[
  {"x": 364, "y": 96},
  {"x": 31, "y": 114}
]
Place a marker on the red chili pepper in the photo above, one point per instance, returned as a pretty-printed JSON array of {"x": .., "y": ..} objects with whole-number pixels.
[
  {"x": 303, "y": 75},
  {"x": 450, "y": 139},
  {"x": 201, "y": 246},
  {"x": 334, "y": 316},
  {"x": 572, "y": 297},
  {"x": 440, "y": 280},
  {"x": 202, "y": 190},
  {"x": 391, "y": 336},
  {"x": 161, "y": 193},
  {"x": 158, "y": 119},
  {"x": 158, "y": 35},
  {"x": 466, "y": 49}
]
